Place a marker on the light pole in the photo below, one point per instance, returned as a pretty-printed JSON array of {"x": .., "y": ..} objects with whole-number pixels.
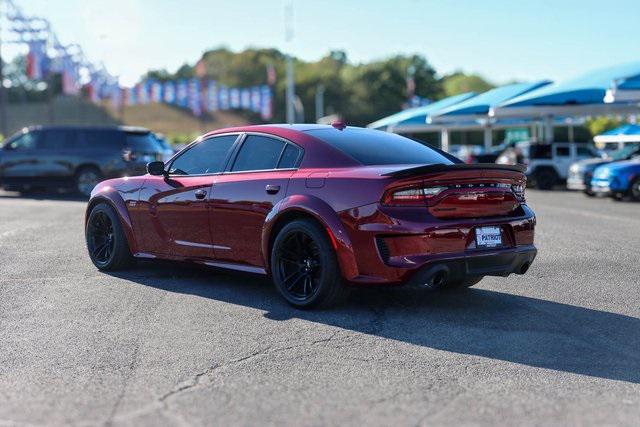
[
  {"x": 3, "y": 95},
  {"x": 290, "y": 92}
]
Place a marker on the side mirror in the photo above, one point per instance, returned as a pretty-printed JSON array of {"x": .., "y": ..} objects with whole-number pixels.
[{"x": 155, "y": 168}]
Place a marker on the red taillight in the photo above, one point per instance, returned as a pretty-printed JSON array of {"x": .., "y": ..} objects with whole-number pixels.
[
  {"x": 410, "y": 196},
  {"x": 518, "y": 190}
]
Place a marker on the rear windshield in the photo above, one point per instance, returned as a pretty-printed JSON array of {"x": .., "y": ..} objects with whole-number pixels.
[
  {"x": 143, "y": 142},
  {"x": 371, "y": 147}
]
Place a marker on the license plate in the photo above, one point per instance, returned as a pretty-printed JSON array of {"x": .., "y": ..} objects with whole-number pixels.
[{"x": 488, "y": 237}]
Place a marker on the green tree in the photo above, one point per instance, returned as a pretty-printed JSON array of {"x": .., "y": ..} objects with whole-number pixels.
[
  {"x": 460, "y": 82},
  {"x": 378, "y": 89},
  {"x": 361, "y": 93},
  {"x": 598, "y": 125},
  {"x": 327, "y": 72}
]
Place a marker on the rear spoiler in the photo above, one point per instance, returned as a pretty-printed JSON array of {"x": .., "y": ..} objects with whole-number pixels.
[{"x": 418, "y": 170}]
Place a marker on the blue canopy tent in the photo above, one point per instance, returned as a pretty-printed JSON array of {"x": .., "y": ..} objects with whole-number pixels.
[
  {"x": 476, "y": 109},
  {"x": 620, "y": 135},
  {"x": 414, "y": 119},
  {"x": 579, "y": 97},
  {"x": 626, "y": 90}
]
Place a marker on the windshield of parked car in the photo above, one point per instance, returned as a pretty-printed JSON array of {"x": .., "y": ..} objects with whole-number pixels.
[
  {"x": 372, "y": 147},
  {"x": 625, "y": 152},
  {"x": 21, "y": 141}
]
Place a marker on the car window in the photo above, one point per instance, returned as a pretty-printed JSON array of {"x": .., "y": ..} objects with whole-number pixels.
[
  {"x": 143, "y": 142},
  {"x": 540, "y": 151},
  {"x": 371, "y": 147},
  {"x": 587, "y": 152},
  {"x": 289, "y": 157},
  {"x": 26, "y": 141},
  {"x": 57, "y": 139},
  {"x": 258, "y": 153},
  {"x": 562, "y": 151},
  {"x": 103, "y": 139},
  {"x": 207, "y": 156}
]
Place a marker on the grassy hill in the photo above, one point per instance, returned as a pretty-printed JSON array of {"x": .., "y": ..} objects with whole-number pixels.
[{"x": 171, "y": 121}]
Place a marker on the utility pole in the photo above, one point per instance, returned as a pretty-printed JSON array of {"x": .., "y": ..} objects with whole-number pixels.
[
  {"x": 319, "y": 102},
  {"x": 3, "y": 94},
  {"x": 290, "y": 92}
]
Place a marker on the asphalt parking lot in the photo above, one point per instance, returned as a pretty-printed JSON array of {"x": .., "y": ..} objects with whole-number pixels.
[{"x": 169, "y": 344}]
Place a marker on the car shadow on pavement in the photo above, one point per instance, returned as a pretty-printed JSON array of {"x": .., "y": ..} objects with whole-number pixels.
[
  {"x": 43, "y": 195},
  {"x": 478, "y": 322}
]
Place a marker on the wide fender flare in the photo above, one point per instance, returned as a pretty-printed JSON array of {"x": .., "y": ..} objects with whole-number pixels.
[
  {"x": 105, "y": 193},
  {"x": 325, "y": 215}
]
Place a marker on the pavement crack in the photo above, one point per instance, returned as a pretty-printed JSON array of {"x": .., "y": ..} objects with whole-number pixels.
[
  {"x": 325, "y": 340},
  {"x": 197, "y": 380},
  {"x": 125, "y": 383}
]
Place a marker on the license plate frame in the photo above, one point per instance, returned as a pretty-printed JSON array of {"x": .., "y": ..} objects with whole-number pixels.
[{"x": 488, "y": 236}]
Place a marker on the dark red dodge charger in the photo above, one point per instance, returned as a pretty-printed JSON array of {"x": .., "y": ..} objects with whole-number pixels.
[{"x": 319, "y": 209}]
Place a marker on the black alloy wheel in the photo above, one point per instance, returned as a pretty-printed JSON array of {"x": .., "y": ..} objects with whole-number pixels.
[
  {"x": 100, "y": 238},
  {"x": 304, "y": 266},
  {"x": 107, "y": 245}
]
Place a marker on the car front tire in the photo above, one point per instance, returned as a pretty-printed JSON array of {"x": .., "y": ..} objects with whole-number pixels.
[
  {"x": 304, "y": 266},
  {"x": 106, "y": 242}
]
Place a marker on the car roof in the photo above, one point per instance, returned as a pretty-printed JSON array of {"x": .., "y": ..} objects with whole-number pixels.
[
  {"x": 322, "y": 154},
  {"x": 129, "y": 129}
]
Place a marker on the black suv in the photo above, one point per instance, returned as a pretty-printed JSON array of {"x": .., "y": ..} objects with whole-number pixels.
[{"x": 75, "y": 157}]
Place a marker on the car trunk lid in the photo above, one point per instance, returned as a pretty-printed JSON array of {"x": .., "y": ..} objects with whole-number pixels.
[{"x": 459, "y": 190}]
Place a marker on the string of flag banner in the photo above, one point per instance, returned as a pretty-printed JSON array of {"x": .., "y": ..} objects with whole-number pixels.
[
  {"x": 47, "y": 56},
  {"x": 198, "y": 95}
]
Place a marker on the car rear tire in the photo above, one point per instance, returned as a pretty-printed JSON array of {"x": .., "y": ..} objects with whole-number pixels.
[
  {"x": 107, "y": 245},
  {"x": 589, "y": 193},
  {"x": 467, "y": 282},
  {"x": 634, "y": 190},
  {"x": 545, "y": 179},
  {"x": 86, "y": 179},
  {"x": 304, "y": 266}
]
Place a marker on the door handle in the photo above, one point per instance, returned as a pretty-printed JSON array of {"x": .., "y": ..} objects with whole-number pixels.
[
  {"x": 200, "y": 194},
  {"x": 272, "y": 189}
]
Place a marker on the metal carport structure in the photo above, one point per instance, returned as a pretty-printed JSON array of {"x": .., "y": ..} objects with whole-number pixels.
[
  {"x": 416, "y": 118},
  {"x": 476, "y": 110},
  {"x": 583, "y": 96}
]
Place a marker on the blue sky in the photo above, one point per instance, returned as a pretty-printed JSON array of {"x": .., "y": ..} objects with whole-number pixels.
[{"x": 502, "y": 40}]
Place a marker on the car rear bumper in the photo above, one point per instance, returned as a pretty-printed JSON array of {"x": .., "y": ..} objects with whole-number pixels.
[
  {"x": 392, "y": 249},
  {"x": 500, "y": 262}
]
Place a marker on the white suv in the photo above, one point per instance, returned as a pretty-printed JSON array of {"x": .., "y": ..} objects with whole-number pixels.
[{"x": 548, "y": 163}]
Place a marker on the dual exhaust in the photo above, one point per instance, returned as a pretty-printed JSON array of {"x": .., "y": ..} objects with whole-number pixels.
[{"x": 438, "y": 276}]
